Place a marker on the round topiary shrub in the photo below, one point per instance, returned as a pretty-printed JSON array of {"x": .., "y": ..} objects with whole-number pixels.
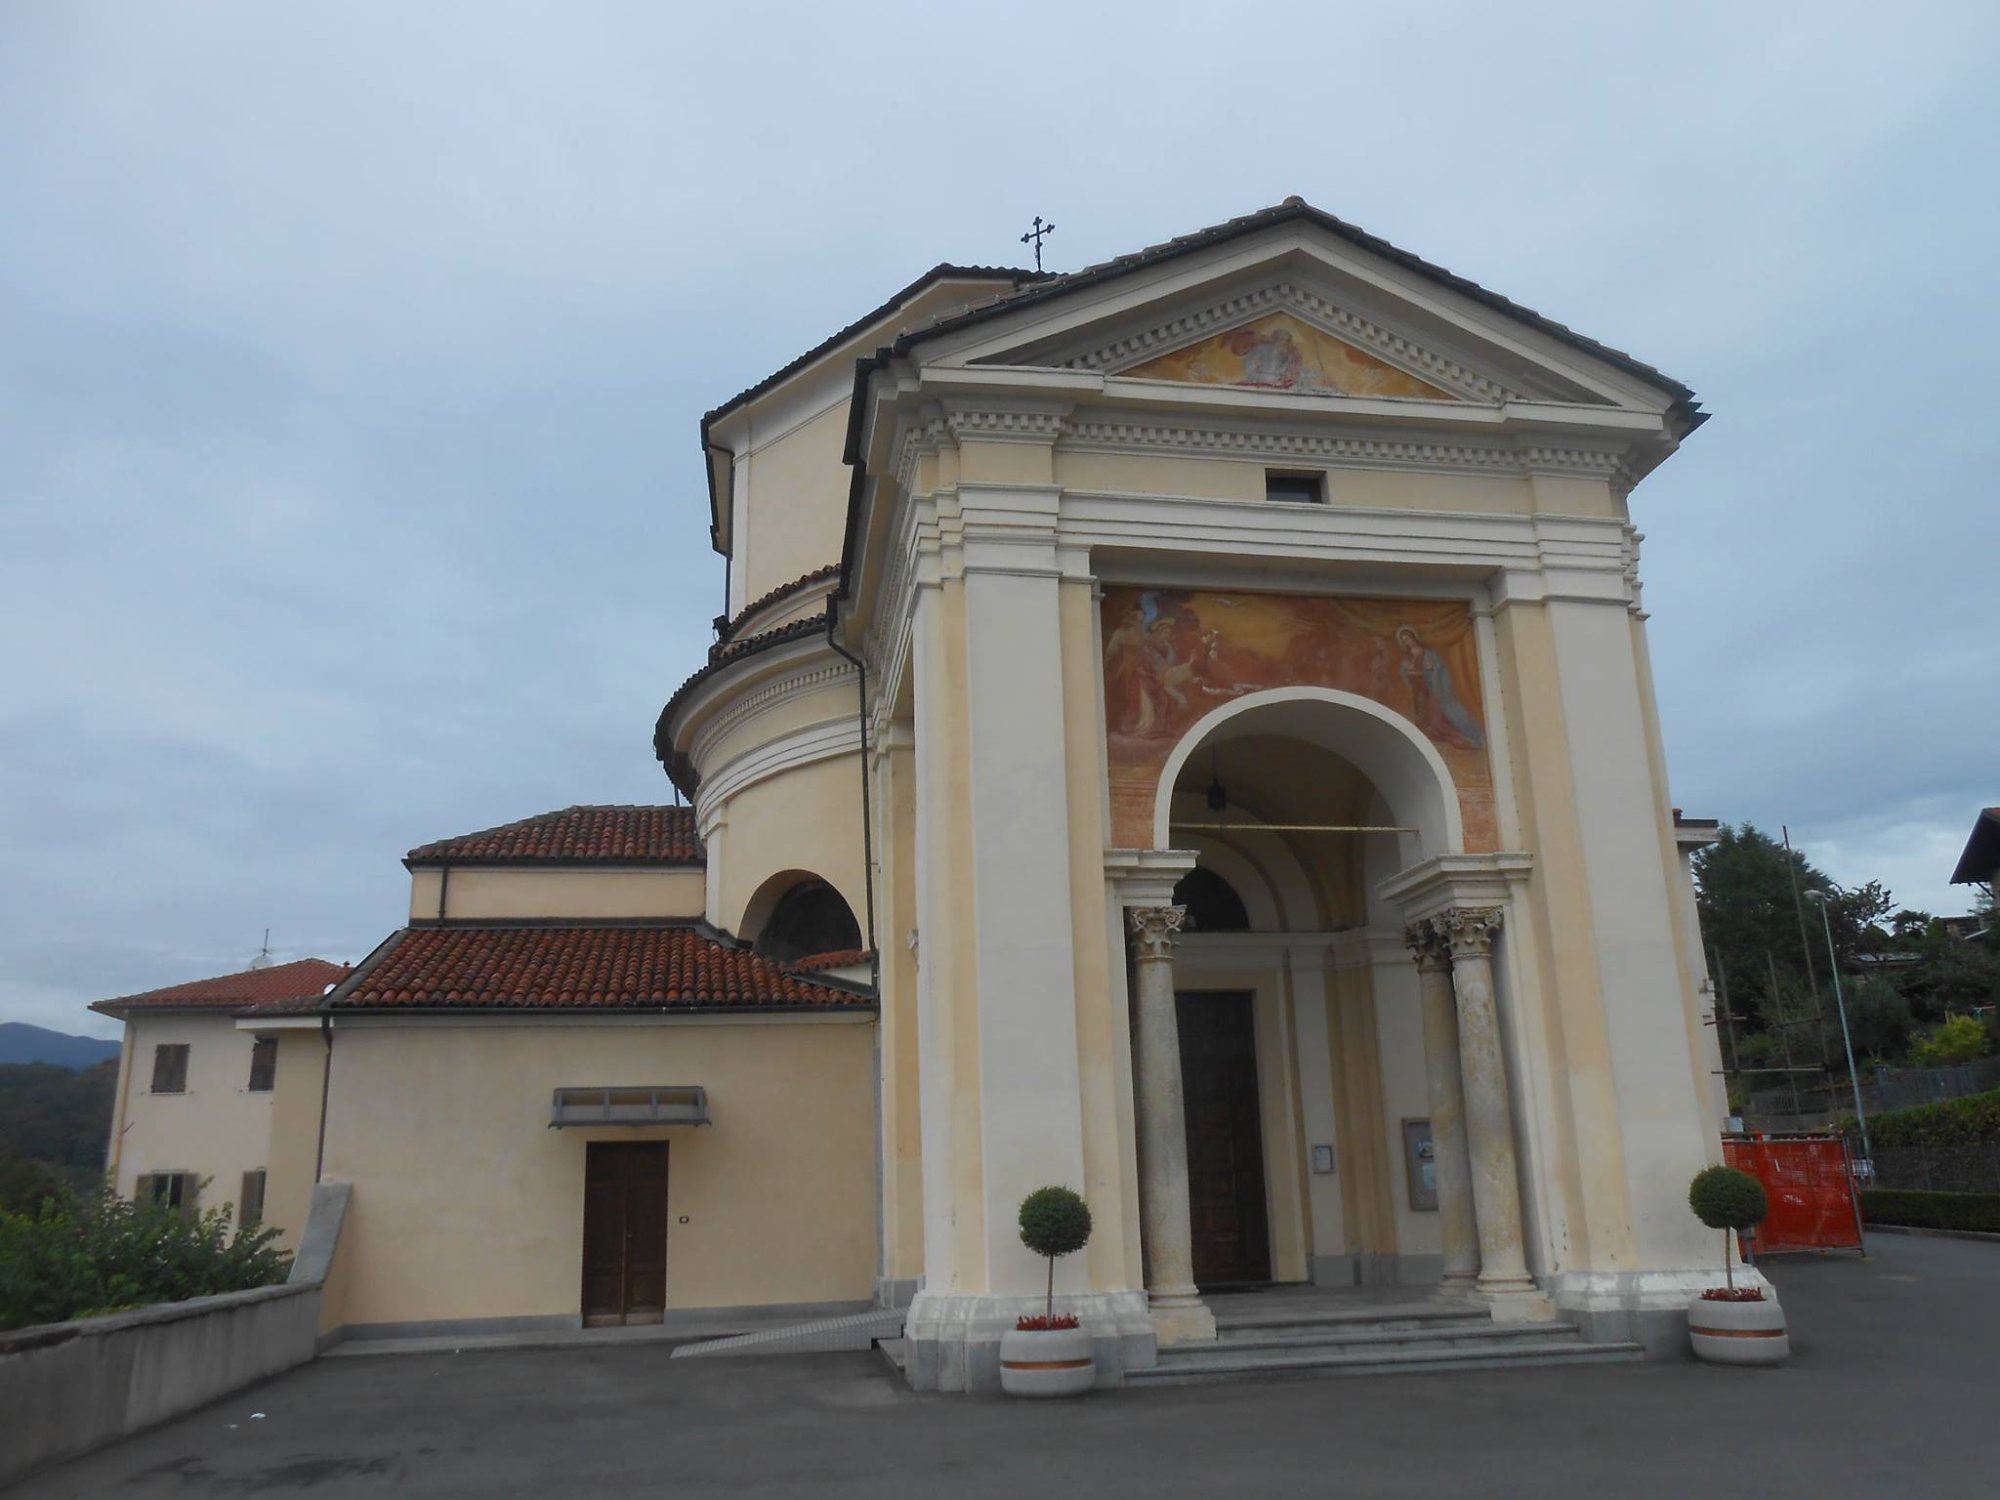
[
  {"x": 1054, "y": 1221},
  {"x": 1727, "y": 1199}
]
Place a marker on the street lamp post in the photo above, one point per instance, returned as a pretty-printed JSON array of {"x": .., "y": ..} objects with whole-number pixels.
[{"x": 1847, "y": 1041}]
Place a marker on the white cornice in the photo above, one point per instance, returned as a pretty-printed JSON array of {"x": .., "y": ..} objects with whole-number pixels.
[
  {"x": 1284, "y": 296},
  {"x": 802, "y": 747}
]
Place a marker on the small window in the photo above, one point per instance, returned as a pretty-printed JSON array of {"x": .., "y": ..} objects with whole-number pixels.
[
  {"x": 1298, "y": 489},
  {"x": 250, "y": 1202},
  {"x": 170, "y": 1068},
  {"x": 263, "y": 1064},
  {"x": 175, "y": 1189}
]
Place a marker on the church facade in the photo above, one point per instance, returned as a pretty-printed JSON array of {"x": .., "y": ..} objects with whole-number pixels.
[{"x": 1182, "y": 730}]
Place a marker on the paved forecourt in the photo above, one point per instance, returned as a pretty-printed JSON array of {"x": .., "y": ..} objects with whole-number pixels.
[{"x": 1889, "y": 1392}]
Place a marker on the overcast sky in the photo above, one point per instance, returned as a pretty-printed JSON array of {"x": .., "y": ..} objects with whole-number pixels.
[{"x": 351, "y": 358}]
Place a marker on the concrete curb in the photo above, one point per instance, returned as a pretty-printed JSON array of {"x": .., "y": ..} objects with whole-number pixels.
[{"x": 1978, "y": 1235}]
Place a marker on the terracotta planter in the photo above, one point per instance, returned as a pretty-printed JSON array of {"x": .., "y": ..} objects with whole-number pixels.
[
  {"x": 1046, "y": 1362},
  {"x": 1739, "y": 1333}
]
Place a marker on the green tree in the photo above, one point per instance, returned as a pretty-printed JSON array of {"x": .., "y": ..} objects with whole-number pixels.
[{"x": 25, "y": 1184}]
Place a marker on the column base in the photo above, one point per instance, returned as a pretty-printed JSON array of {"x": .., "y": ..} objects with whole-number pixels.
[
  {"x": 951, "y": 1341},
  {"x": 1648, "y": 1308},
  {"x": 1513, "y": 1301},
  {"x": 1180, "y": 1317}
]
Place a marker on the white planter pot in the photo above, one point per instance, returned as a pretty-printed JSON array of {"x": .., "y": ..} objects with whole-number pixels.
[
  {"x": 1739, "y": 1333},
  {"x": 1055, "y": 1362}
]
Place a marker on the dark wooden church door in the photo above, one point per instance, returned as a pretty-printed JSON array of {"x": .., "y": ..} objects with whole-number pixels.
[
  {"x": 624, "y": 1232},
  {"x": 1225, "y": 1139}
]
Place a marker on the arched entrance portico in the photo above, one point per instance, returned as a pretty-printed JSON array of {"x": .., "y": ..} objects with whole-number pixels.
[{"x": 1323, "y": 812}]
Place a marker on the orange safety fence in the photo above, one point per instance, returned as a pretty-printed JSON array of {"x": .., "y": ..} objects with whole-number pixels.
[{"x": 1810, "y": 1182}]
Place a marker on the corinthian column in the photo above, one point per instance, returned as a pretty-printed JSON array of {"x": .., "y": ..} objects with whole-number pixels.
[
  {"x": 1179, "y": 1315},
  {"x": 1489, "y": 1125},
  {"x": 1449, "y": 1160}
]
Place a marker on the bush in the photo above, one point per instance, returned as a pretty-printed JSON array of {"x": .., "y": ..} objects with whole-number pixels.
[
  {"x": 1962, "y": 1039},
  {"x": 24, "y": 1184},
  {"x": 1054, "y": 1221},
  {"x": 1976, "y": 1211},
  {"x": 1971, "y": 1121},
  {"x": 75, "y": 1258}
]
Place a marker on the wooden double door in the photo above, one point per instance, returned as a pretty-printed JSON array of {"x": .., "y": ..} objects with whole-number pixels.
[
  {"x": 1228, "y": 1224},
  {"x": 624, "y": 1232}
]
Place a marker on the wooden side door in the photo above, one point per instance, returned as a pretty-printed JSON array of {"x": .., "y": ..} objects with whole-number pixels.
[
  {"x": 1227, "y": 1220},
  {"x": 624, "y": 1232}
]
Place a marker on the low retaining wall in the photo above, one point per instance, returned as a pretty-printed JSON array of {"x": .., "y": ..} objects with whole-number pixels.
[{"x": 66, "y": 1388}]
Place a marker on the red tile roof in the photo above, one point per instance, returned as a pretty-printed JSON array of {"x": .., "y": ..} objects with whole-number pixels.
[
  {"x": 782, "y": 591},
  {"x": 252, "y": 989},
  {"x": 846, "y": 958},
  {"x": 576, "y": 835},
  {"x": 569, "y": 967}
]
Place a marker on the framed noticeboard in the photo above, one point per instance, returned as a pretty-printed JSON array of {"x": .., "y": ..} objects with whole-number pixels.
[{"x": 1420, "y": 1165}]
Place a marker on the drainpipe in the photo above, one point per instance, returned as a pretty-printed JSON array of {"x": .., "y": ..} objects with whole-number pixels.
[
  {"x": 867, "y": 809},
  {"x": 325, "y": 1083}
]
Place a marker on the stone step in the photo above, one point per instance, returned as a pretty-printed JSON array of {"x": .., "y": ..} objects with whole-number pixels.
[
  {"x": 1411, "y": 1315},
  {"x": 1178, "y": 1368},
  {"x": 1455, "y": 1336}
]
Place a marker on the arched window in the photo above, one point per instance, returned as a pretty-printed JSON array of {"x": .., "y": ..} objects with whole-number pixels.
[
  {"x": 809, "y": 918},
  {"x": 1212, "y": 903}
]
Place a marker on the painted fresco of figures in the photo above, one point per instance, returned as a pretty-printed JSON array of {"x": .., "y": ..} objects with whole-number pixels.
[{"x": 1434, "y": 703}]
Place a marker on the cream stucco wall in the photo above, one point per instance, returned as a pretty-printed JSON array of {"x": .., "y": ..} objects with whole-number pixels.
[
  {"x": 218, "y": 1129},
  {"x": 806, "y": 819},
  {"x": 467, "y": 1206},
  {"x": 473, "y": 893}
]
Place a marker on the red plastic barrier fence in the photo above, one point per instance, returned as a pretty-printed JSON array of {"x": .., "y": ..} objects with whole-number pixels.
[{"x": 1809, "y": 1181}]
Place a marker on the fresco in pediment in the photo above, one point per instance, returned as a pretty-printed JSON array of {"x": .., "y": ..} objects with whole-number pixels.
[
  {"x": 1171, "y": 656},
  {"x": 1280, "y": 353}
]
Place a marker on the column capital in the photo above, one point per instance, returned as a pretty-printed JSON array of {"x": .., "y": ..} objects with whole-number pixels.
[
  {"x": 1154, "y": 927},
  {"x": 1427, "y": 944},
  {"x": 1470, "y": 929}
]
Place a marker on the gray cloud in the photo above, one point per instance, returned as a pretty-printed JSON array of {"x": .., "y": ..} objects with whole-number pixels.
[{"x": 350, "y": 359}]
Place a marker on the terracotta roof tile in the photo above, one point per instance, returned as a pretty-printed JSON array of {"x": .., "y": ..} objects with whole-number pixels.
[
  {"x": 765, "y": 601},
  {"x": 252, "y": 989},
  {"x": 576, "y": 835},
  {"x": 576, "y": 967},
  {"x": 814, "y": 963}
]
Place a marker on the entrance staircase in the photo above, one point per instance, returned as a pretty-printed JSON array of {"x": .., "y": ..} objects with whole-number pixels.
[{"x": 1299, "y": 1335}]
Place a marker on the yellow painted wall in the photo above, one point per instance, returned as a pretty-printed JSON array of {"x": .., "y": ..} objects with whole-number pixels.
[
  {"x": 466, "y": 1205},
  {"x": 294, "y": 1131},
  {"x": 472, "y": 893},
  {"x": 797, "y": 509},
  {"x": 807, "y": 818}
]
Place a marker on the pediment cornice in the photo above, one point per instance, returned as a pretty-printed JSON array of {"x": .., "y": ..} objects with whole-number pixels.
[{"x": 1220, "y": 314}]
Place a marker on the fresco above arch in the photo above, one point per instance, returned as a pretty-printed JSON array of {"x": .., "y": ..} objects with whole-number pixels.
[
  {"x": 1280, "y": 352},
  {"x": 1171, "y": 656}
]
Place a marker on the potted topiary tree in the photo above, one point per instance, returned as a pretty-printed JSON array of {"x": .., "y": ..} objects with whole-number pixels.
[
  {"x": 1728, "y": 1324},
  {"x": 1049, "y": 1354}
]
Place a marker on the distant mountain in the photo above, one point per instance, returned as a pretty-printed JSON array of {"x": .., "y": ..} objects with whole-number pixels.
[{"x": 22, "y": 1043}]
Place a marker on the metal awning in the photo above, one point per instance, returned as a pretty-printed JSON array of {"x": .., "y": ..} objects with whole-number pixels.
[{"x": 645, "y": 1104}]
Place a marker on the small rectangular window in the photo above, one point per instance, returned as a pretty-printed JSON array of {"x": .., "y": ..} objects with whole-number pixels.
[
  {"x": 175, "y": 1189},
  {"x": 1298, "y": 489},
  {"x": 250, "y": 1202},
  {"x": 170, "y": 1068},
  {"x": 263, "y": 1064}
]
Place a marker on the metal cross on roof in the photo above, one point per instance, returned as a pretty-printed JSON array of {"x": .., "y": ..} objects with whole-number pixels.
[{"x": 1035, "y": 237}]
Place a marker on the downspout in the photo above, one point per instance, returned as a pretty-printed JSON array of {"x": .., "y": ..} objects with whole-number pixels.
[
  {"x": 325, "y": 1084},
  {"x": 867, "y": 809},
  {"x": 874, "y": 952}
]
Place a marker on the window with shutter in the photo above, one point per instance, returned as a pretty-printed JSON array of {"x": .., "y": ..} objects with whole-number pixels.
[
  {"x": 250, "y": 1203},
  {"x": 263, "y": 1064},
  {"x": 170, "y": 1068}
]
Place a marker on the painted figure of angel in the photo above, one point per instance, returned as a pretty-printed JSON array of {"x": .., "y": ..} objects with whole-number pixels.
[
  {"x": 1272, "y": 358},
  {"x": 1434, "y": 701}
]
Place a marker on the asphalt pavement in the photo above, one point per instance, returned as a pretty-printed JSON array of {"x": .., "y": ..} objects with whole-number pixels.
[{"x": 1890, "y": 1392}]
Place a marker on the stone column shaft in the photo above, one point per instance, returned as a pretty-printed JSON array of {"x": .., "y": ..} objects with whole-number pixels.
[
  {"x": 1489, "y": 1125},
  {"x": 1179, "y": 1315},
  {"x": 1457, "y": 1225}
]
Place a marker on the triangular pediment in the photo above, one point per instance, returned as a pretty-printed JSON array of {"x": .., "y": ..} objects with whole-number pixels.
[{"x": 1279, "y": 352}]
